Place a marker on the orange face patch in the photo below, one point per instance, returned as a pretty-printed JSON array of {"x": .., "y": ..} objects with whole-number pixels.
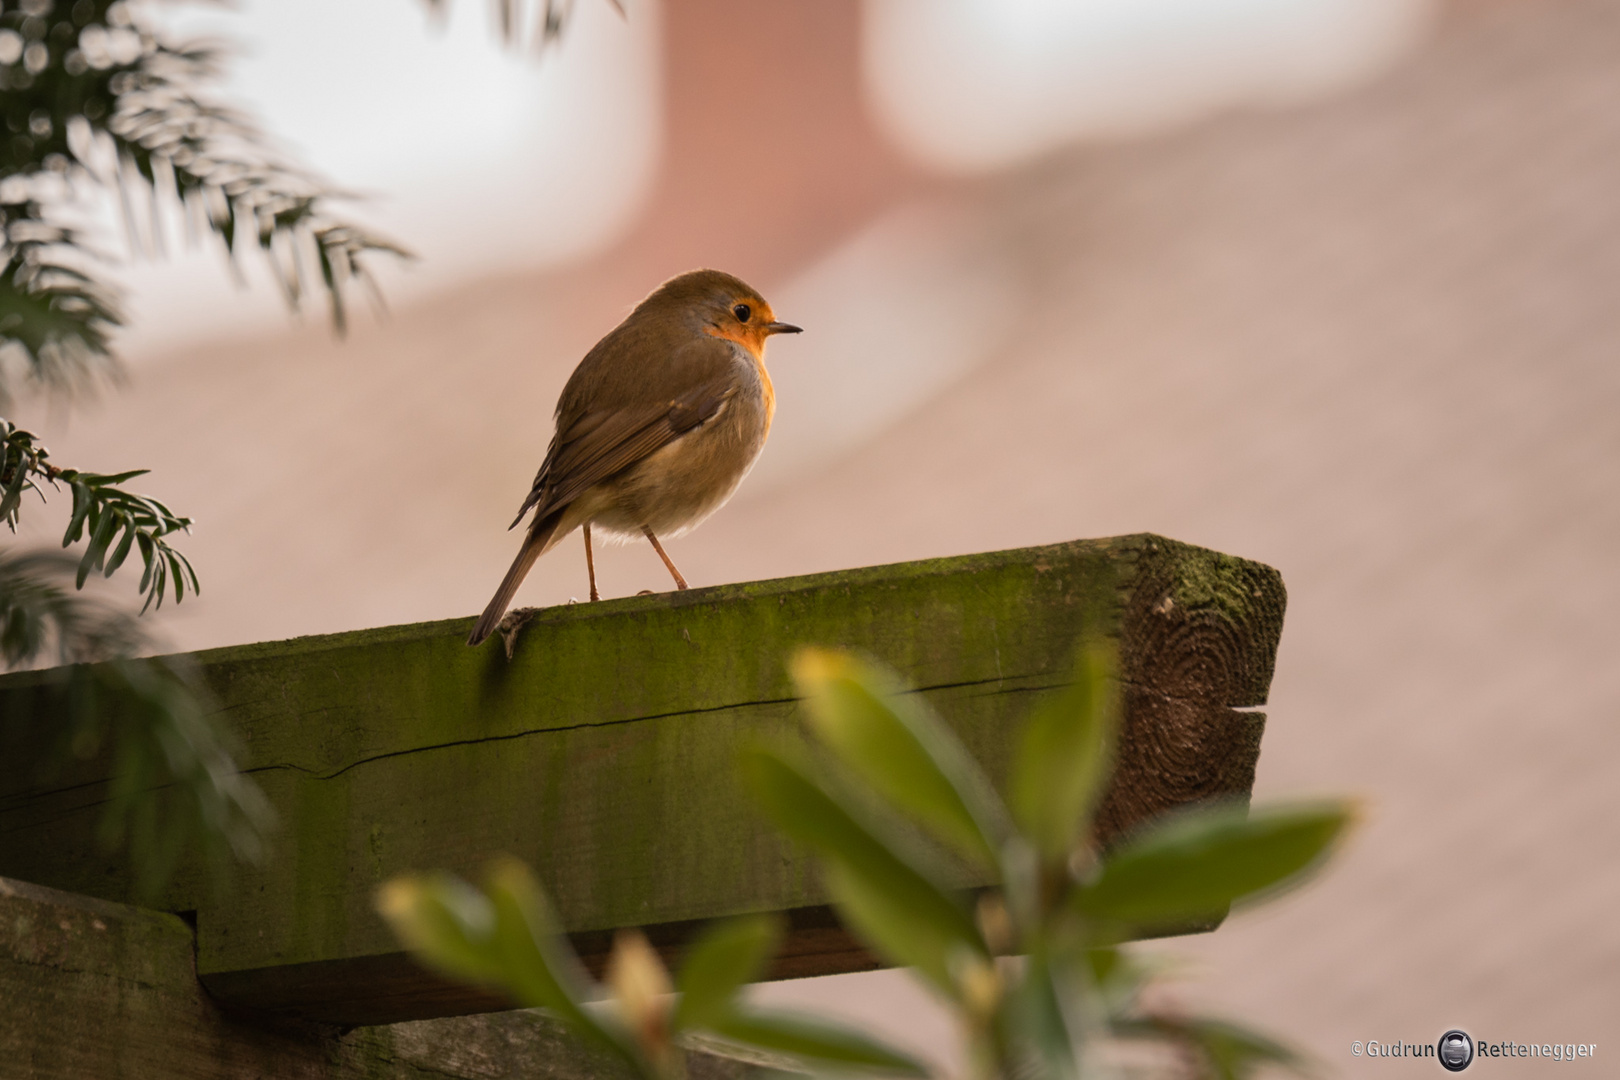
[{"x": 750, "y": 335}]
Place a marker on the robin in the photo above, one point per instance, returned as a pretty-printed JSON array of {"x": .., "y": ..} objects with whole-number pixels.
[{"x": 656, "y": 427}]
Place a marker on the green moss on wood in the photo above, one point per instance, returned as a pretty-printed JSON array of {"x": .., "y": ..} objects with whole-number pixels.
[
  {"x": 92, "y": 989},
  {"x": 602, "y": 752}
]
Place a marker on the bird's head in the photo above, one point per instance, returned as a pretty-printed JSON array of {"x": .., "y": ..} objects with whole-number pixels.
[{"x": 723, "y": 306}]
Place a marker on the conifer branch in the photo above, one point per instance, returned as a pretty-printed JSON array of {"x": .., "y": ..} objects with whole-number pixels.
[{"x": 116, "y": 522}]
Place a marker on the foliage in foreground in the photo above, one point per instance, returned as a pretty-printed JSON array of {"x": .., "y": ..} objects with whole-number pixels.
[
  {"x": 175, "y": 779},
  {"x": 895, "y": 809},
  {"x": 889, "y": 768},
  {"x": 97, "y": 96},
  {"x": 99, "y": 102},
  {"x": 505, "y": 938}
]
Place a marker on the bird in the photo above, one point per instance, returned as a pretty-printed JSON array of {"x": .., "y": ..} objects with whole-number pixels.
[{"x": 655, "y": 428}]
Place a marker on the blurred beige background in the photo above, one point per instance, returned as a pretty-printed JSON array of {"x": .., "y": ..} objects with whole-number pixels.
[{"x": 1363, "y": 327}]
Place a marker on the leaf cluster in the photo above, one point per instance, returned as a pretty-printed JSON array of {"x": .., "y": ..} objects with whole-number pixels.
[
  {"x": 505, "y": 937},
  {"x": 54, "y": 318},
  {"x": 116, "y": 522},
  {"x": 887, "y": 766},
  {"x": 95, "y": 97},
  {"x": 93, "y": 92},
  {"x": 174, "y": 774},
  {"x": 887, "y": 770}
]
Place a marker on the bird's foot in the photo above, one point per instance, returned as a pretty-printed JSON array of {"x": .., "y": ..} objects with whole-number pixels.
[{"x": 512, "y": 624}]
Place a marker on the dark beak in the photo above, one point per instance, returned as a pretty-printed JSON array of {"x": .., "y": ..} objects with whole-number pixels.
[{"x": 784, "y": 328}]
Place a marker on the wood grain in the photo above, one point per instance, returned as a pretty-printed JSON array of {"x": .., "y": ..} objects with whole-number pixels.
[
  {"x": 94, "y": 989},
  {"x": 602, "y": 752}
]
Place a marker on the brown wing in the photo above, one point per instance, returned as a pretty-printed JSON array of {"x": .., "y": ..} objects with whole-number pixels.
[{"x": 594, "y": 444}]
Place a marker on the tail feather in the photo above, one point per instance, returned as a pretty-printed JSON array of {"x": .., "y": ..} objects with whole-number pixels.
[{"x": 543, "y": 534}]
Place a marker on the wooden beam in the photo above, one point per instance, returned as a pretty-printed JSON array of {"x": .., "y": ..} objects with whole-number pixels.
[
  {"x": 94, "y": 990},
  {"x": 602, "y": 752}
]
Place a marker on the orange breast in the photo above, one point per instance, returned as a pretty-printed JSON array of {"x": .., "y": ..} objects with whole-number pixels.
[
  {"x": 754, "y": 342},
  {"x": 770, "y": 392}
]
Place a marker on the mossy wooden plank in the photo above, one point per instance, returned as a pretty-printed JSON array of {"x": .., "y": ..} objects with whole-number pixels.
[
  {"x": 93, "y": 990},
  {"x": 602, "y": 751}
]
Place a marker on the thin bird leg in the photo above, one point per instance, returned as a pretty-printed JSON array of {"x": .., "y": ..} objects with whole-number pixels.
[
  {"x": 590, "y": 564},
  {"x": 680, "y": 582}
]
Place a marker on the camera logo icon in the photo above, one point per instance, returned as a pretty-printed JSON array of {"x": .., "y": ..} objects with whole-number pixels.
[{"x": 1456, "y": 1050}]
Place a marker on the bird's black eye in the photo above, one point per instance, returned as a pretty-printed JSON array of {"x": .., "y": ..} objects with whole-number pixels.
[{"x": 742, "y": 311}]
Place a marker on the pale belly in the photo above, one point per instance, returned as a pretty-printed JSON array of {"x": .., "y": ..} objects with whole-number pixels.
[{"x": 681, "y": 484}]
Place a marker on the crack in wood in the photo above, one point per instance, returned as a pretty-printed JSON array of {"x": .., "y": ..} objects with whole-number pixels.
[{"x": 641, "y": 823}]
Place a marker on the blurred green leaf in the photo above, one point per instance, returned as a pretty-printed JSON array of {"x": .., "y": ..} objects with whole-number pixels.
[
  {"x": 1039, "y": 1024},
  {"x": 142, "y": 124},
  {"x": 1236, "y": 1052},
  {"x": 642, "y": 997},
  {"x": 900, "y": 911},
  {"x": 727, "y": 956},
  {"x": 815, "y": 1042},
  {"x": 53, "y": 316},
  {"x": 1190, "y": 866},
  {"x": 177, "y": 779},
  {"x": 890, "y": 927},
  {"x": 1104, "y": 963},
  {"x": 1064, "y": 758},
  {"x": 536, "y": 963},
  {"x": 174, "y": 774},
  {"x": 1232, "y": 1052},
  {"x": 446, "y": 923},
  {"x": 891, "y": 740},
  {"x": 503, "y": 938}
]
